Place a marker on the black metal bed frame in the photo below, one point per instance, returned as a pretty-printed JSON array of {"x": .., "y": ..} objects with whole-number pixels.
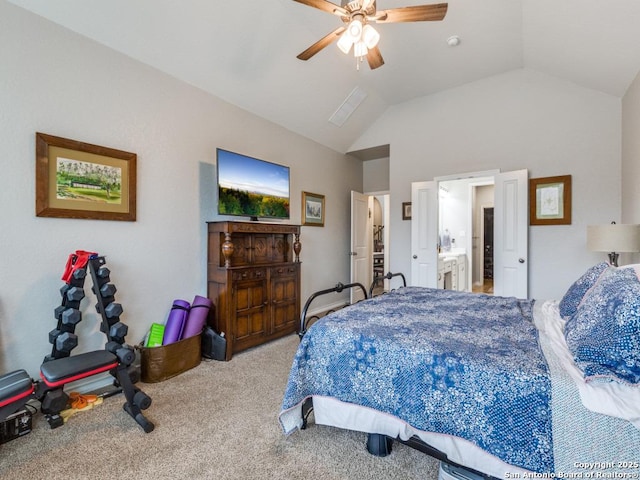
[
  {"x": 306, "y": 322},
  {"x": 387, "y": 276}
]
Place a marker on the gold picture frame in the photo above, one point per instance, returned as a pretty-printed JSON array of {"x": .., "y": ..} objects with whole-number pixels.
[
  {"x": 550, "y": 200},
  {"x": 312, "y": 209},
  {"x": 80, "y": 180}
]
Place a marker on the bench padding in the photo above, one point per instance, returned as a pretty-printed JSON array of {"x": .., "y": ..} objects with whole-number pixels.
[
  {"x": 64, "y": 370},
  {"x": 15, "y": 386}
]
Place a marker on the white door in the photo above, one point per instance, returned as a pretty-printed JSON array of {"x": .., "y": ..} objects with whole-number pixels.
[
  {"x": 424, "y": 234},
  {"x": 510, "y": 234},
  {"x": 361, "y": 243}
]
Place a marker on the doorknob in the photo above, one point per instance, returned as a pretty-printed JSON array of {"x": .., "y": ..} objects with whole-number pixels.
[
  {"x": 415, "y": 256},
  {"x": 353, "y": 254},
  {"x": 521, "y": 260}
]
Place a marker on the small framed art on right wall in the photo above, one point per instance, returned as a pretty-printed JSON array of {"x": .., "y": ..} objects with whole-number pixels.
[{"x": 550, "y": 200}]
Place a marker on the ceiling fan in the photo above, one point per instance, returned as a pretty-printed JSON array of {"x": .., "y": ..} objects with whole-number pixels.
[{"x": 357, "y": 32}]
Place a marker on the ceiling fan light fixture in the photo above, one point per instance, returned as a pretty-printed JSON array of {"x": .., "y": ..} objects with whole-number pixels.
[
  {"x": 370, "y": 36},
  {"x": 360, "y": 49},
  {"x": 355, "y": 29},
  {"x": 345, "y": 42}
]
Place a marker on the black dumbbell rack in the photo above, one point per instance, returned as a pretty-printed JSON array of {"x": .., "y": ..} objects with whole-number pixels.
[
  {"x": 64, "y": 339},
  {"x": 68, "y": 314}
]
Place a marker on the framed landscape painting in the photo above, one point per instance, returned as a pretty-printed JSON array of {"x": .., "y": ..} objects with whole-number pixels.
[{"x": 80, "y": 180}]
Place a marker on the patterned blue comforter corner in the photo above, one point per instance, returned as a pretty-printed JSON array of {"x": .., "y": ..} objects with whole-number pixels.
[{"x": 443, "y": 361}]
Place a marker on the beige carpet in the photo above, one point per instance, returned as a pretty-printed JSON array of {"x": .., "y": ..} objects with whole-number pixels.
[{"x": 216, "y": 421}]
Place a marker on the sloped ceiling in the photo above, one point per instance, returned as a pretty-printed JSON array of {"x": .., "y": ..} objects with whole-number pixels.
[{"x": 244, "y": 51}]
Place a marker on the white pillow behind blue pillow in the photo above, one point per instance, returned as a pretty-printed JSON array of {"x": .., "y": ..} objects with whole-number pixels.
[
  {"x": 569, "y": 303},
  {"x": 604, "y": 333}
]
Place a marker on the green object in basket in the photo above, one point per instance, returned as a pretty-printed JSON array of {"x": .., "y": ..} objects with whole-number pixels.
[{"x": 155, "y": 335}]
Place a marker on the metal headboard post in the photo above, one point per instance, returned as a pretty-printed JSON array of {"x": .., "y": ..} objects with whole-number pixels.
[
  {"x": 387, "y": 276},
  {"x": 337, "y": 289}
]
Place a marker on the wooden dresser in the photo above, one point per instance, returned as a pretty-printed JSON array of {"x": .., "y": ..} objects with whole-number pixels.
[{"x": 253, "y": 279}]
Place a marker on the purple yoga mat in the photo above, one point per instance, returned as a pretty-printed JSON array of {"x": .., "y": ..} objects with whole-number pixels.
[
  {"x": 175, "y": 322},
  {"x": 197, "y": 316}
]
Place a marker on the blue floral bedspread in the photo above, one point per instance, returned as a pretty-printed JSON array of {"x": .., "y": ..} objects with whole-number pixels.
[{"x": 443, "y": 361}]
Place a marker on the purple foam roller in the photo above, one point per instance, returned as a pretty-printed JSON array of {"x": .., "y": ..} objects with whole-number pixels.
[
  {"x": 175, "y": 322},
  {"x": 197, "y": 316}
]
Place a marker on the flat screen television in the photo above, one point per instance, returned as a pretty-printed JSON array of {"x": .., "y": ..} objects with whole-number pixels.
[{"x": 251, "y": 187}]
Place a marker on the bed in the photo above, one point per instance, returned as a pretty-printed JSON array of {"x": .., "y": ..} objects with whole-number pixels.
[{"x": 507, "y": 387}]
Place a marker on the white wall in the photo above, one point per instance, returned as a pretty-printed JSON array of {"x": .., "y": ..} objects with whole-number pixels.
[
  {"x": 57, "y": 82},
  {"x": 631, "y": 153},
  {"x": 521, "y": 119},
  {"x": 375, "y": 175}
]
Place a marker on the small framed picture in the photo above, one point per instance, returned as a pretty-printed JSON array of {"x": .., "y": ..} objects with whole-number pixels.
[
  {"x": 312, "y": 209},
  {"x": 550, "y": 200},
  {"x": 406, "y": 210}
]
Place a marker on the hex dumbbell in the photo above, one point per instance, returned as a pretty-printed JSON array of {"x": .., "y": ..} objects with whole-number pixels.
[
  {"x": 66, "y": 341},
  {"x": 79, "y": 274},
  {"x": 118, "y": 331},
  {"x": 113, "y": 310},
  {"x": 75, "y": 294},
  {"x": 70, "y": 318},
  {"x": 103, "y": 272},
  {"x": 58, "y": 311},
  {"x": 53, "y": 334},
  {"x": 108, "y": 290},
  {"x": 54, "y": 401}
]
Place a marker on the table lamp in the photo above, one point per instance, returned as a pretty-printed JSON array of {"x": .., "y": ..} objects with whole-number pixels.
[{"x": 613, "y": 238}]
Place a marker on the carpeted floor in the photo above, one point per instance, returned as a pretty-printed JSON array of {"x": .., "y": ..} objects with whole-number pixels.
[{"x": 216, "y": 421}]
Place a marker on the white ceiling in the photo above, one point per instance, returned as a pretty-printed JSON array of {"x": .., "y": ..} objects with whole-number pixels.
[{"x": 244, "y": 51}]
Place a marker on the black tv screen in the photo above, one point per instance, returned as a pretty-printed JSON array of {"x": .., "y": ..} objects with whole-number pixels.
[{"x": 251, "y": 187}]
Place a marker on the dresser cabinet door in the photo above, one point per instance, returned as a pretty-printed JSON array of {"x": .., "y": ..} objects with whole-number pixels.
[
  {"x": 250, "y": 306},
  {"x": 284, "y": 297}
]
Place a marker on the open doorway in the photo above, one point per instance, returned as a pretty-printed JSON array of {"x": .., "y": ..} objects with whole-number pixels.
[
  {"x": 380, "y": 239},
  {"x": 485, "y": 285},
  {"x": 465, "y": 232},
  {"x": 482, "y": 210},
  {"x": 369, "y": 239}
]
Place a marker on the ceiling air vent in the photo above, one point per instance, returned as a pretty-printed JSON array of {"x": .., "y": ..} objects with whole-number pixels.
[{"x": 344, "y": 111}]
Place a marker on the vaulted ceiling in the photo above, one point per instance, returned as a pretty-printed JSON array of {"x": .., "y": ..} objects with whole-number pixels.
[{"x": 244, "y": 51}]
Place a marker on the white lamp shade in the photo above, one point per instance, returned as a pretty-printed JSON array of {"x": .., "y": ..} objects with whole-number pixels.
[
  {"x": 359, "y": 49},
  {"x": 613, "y": 238},
  {"x": 370, "y": 36},
  {"x": 355, "y": 30},
  {"x": 345, "y": 42}
]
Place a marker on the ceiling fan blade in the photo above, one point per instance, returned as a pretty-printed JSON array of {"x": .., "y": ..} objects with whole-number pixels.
[
  {"x": 325, "y": 6},
  {"x": 374, "y": 58},
  {"x": 418, "y": 13},
  {"x": 320, "y": 44}
]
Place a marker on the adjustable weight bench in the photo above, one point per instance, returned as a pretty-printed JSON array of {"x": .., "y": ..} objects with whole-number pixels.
[
  {"x": 16, "y": 388},
  {"x": 55, "y": 374}
]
